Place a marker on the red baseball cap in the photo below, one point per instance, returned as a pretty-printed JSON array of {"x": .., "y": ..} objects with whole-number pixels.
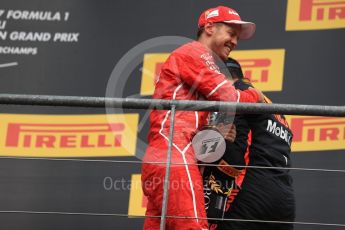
[{"x": 227, "y": 15}]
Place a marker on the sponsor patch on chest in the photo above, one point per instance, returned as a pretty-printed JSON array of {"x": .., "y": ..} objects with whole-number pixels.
[{"x": 279, "y": 131}]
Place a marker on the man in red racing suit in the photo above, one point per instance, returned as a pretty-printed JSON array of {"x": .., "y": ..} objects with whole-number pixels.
[{"x": 190, "y": 73}]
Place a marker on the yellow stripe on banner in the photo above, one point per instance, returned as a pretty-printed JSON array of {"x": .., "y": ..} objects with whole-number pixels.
[
  {"x": 137, "y": 200},
  {"x": 29, "y": 135},
  {"x": 150, "y": 72}
]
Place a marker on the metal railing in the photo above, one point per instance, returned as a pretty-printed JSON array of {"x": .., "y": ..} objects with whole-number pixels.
[
  {"x": 133, "y": 103},
  {"x": 173, "y": 105}
]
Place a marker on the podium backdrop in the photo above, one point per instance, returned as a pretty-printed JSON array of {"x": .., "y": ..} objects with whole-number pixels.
[{"x": 74, "y": 48}]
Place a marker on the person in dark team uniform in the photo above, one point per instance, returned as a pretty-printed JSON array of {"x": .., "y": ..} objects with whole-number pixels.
[{"x": 252, "y": 193}]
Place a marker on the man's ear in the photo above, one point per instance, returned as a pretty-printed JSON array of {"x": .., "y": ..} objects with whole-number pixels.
[{"x": 209, "y": 28}]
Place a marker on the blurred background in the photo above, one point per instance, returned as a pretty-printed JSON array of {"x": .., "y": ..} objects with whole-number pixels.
[{"x": 74, "y": 48}]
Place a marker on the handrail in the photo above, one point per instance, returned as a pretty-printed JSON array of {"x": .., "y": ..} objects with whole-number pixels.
[{"x": 135, "y": 103}]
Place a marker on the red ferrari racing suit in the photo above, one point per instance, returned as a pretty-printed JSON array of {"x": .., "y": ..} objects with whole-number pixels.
[{"x": 190, "y": 73}]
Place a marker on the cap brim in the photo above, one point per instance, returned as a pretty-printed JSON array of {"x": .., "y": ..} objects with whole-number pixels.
[{"x": 247, "y": 30}]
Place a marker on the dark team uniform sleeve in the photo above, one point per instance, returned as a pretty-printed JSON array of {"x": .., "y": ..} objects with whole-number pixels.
[{"x": 235, "y": 152}]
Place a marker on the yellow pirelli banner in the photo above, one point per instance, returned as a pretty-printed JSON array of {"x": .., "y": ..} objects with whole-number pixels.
[
  {"x": 137, "y": 200},
  {"x": 151, "y": 67},
  {"x": 315, "y": 14},
  {"x": 317, "y": 133},
  {"x": 265, "y": 68},
  {"x": 68, "y": 135}
]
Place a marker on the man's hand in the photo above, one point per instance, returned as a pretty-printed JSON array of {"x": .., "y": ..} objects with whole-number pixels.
[
  {"x": 228, "y": 131},
  {"x": 261, "y": 98},
  {"x": 245, "y": 84}
]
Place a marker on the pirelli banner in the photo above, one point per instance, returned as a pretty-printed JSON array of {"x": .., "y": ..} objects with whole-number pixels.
[
  {"x": 315, "y": 14},
  {"x": 317, "y": 133},
  {"x": 264, "y": 68},
  {"x": 78, "y": 47},
  {"x": 68, "y": 135}
]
